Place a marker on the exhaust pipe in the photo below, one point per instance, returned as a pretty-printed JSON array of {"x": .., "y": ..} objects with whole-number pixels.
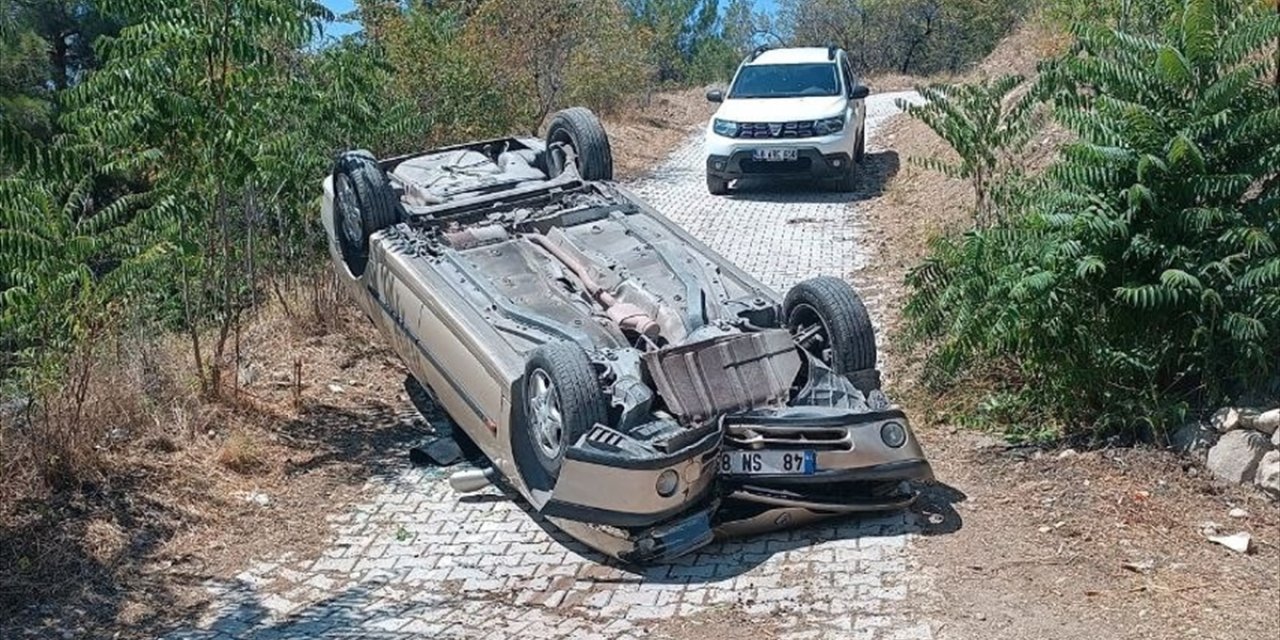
[{"x": 472, "y": 480}]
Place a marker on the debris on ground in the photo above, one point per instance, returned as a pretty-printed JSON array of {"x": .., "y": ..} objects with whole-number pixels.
[{"x": 1240, "y": 542}]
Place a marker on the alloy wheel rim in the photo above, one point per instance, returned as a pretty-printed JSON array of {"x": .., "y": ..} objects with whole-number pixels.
[{"x": 545, "y": 415}]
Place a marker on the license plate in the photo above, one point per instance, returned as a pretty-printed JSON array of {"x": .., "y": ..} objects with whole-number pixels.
[
  {"x": 775, "y": 155},
  {"x": 760, "y": 463}
]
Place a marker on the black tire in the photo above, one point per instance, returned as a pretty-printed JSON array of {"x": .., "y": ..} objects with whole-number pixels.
[
  {"x": 575, "y": 392},
  {"x": 843, "y": 335},
  {"x": 363, "y": 204},
  {"x": 581, "y": 130},
  {"x": 860, "y": 149},
  {"x": 717, "y": 186}
]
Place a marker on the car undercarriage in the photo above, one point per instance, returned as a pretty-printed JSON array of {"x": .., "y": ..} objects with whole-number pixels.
[{"x": 635, "y": 387}]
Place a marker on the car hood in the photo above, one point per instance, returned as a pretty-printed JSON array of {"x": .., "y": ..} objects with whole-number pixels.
[{"x": 781, "y": 109}]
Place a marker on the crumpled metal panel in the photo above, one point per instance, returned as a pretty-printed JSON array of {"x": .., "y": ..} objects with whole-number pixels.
[{"x": 727, "y": 373}]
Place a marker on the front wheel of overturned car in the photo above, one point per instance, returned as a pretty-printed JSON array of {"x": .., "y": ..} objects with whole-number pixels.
[
  {"x": 828, "y": 320},
  {"x": 363, "y": 204},
  {"x": 579, "y": 130},
  {"x": 717, "y": 186},
  {"x": 562, "y": 401}
]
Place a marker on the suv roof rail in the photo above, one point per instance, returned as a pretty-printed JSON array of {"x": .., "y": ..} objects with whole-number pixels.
[
  {"x": 759, "y": 50},
  {"x": 831, "y": 51}
]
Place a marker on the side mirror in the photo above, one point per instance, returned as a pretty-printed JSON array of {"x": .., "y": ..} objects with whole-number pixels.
[
  {"x": 859, "y": 92},
  {"x": 715, "y": 95}
]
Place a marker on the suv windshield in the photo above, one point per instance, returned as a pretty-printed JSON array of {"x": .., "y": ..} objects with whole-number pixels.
[{"x": 786, "y": 81}]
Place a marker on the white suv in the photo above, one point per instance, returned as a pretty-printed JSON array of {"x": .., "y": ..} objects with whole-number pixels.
[{"x": 788, "y": 113}]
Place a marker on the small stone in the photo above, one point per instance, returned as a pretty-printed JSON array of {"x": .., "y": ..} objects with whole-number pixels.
[
  {"x": 1067, "y": 454},
  {"x": 1275, "y": 439},
  {"x": 1046, "y": 529},
  {"x": 1238, "y": 513},
  {"x": 1236, "y": 456},
  {"x": 258, "y": 498},
  {"x": 1268, "y": 474},
  {"x": 1225, "y": 419},
  {"x": 333, "y": 388},
  {"x": 1267, "y": 422},
  {"x": 1240, "y": 542}
]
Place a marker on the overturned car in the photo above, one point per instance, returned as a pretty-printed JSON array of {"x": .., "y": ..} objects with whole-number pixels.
[{"x": 635, "y": 387}]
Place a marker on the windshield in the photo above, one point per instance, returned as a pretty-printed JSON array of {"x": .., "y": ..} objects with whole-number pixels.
[{"x": 786, "y": 81}]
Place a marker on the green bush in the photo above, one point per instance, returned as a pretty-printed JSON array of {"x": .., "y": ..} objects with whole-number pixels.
[{"x": 1142, "y": 279}]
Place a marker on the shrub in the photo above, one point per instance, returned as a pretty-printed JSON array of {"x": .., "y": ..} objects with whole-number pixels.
[{"x": 1143, "y": 278}]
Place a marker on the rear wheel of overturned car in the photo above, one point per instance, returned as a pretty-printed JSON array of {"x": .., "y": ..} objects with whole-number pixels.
[
  {"x": 829, "y": 321},
  {"x": 562, "y": 401},
  {"x": 579, "y": 130},
  {"x": 363, "y": 204}
]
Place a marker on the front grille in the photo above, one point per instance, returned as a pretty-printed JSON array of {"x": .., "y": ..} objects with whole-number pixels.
[
  {"x": 754, "y": 436},
  {"x": 801, "y": 129}
]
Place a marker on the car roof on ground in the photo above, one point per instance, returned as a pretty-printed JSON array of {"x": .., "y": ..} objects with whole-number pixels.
[{"x": 799, "y": 55}]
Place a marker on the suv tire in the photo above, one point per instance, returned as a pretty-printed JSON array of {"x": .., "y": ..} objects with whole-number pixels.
[{"x": 717, "y": 186}]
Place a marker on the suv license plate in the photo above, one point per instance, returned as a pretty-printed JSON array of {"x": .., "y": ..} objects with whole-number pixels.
[
  {"x": 775, "y": 155},
  {"x": 762, "y": 463}
]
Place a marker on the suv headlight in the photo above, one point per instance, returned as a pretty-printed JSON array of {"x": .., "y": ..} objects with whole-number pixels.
[
  {"x": 726, "y": 128},
  {"x": 828, "y": 126}
]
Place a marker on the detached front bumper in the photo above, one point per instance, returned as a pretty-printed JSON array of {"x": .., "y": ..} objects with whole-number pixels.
[{"x": 809, "y": 163}]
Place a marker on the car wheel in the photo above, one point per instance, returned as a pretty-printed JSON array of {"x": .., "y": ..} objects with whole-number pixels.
[
  {"x": 717, "y": 186},
  {"x": 363, "y": 204},
  {"x": 860, "y": 149},
  {"x": 828, "y": 320},
  {"x": 579, "y": 130},
  {"x": 562, "y": 401}
]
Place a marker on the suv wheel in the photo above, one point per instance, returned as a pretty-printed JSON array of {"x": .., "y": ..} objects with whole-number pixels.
[{"x": 717, "y": 186}]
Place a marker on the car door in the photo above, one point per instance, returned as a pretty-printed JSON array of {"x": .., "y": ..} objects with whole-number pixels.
[{"x": 856, "y": 109}]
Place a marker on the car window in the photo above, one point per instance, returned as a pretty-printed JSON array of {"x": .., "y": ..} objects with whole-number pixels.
[{"x": 786, "y": 81}]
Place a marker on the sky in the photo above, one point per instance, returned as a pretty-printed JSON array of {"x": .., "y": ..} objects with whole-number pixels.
[{"x": 339, "y": 7}]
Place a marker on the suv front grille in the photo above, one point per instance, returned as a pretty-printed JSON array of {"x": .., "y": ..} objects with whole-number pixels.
[{"x": 801, "y": 129}]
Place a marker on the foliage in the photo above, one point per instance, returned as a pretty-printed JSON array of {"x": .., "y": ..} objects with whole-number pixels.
[
  {"x": 1143, "y": 279},
  {"x": 559, "y": 51},
  {"x": 985, "y": 123},
  {"x": 902, "y": 36}
]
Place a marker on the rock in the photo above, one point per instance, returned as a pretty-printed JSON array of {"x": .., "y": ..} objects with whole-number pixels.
[
  {"x": 1225, "y": 419},
  {"x": 1267, "y": 422},
  {"x": 1240, "y": 542},
  {"x": 1275, "y": 439},
  {"x": 1238, "y": 513},
  {"x": 1067, "y": 453},
  {"x": 258, "y": 498},
  {"x": 1236, "y": 456},
  {"x": 1193, "y": 438},
  {"x": 1268, "y": 475},
  {"x": 333, "y": 388}
]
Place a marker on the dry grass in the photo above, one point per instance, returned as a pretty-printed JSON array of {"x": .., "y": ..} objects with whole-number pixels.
[
  {"x": 654, "y": 126},
  {"x": 156, "y": 500}
]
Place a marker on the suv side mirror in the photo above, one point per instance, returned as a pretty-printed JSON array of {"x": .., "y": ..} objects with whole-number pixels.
[
  {"x": 858, "y": 92},
  {"x": 715, "y": 95}
]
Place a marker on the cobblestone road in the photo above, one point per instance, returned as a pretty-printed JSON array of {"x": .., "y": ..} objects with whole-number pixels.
[{"x": 419, "y": 561}]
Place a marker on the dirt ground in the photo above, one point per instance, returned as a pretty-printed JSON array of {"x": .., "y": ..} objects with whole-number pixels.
[{"x": 644, "y": 136}]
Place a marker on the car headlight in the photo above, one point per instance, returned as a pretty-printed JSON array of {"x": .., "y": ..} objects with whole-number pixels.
[
  {"x": 893, "y": 434},
  {"x": 726, "y": 128},
  {"x": 828, "y": 126}
]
